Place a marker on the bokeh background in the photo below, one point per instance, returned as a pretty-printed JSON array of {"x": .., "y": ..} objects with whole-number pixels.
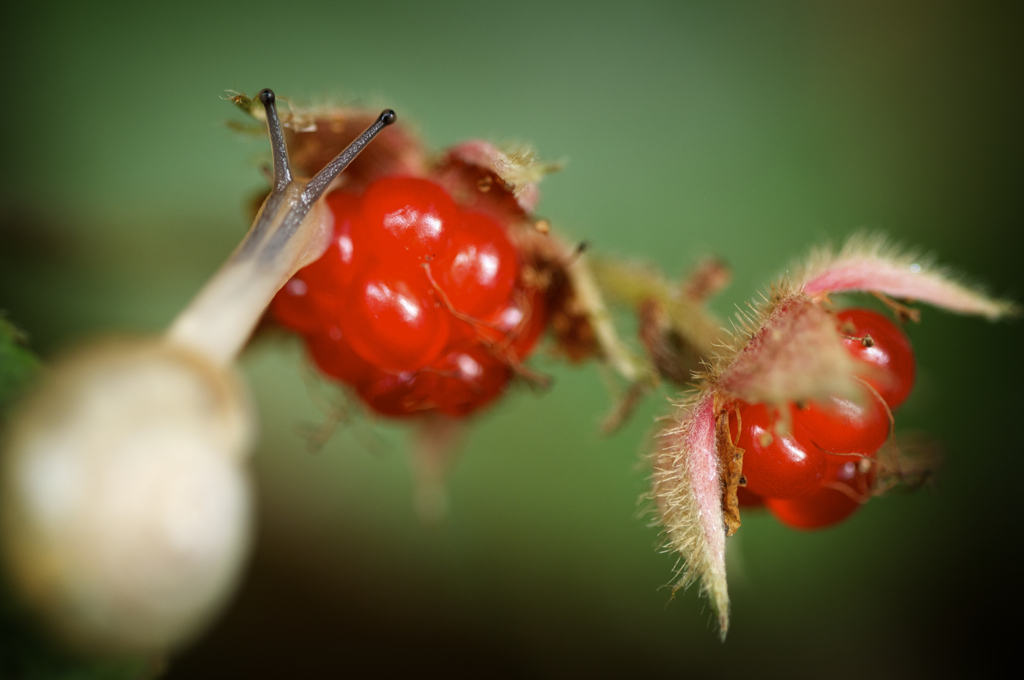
[{"x": 747, "y": 130}]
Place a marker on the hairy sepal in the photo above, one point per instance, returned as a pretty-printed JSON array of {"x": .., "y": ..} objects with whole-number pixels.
[
  {"x": 868, "y": 263},
  {"x": 688, "y": 492},
  {"x": 795, "y": 353},
  {"x": 490, "y": 179}
]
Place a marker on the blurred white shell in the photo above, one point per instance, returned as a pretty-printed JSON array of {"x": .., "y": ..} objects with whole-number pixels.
[{"x": 125, "y": 503}]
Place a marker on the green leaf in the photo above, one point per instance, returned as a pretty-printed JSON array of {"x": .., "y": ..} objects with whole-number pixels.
[{"x": 17, "y": 364}]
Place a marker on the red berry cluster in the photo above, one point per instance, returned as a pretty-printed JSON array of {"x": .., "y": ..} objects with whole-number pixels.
[
  {"x": 416, "y": 304},
  {"x": 823, "y": 468}
]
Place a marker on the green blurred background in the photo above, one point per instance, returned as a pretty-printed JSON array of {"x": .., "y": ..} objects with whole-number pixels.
[{"x": 748, "y": 130}]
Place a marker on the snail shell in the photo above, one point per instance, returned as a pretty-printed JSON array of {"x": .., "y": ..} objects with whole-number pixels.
[{"x": 126, "y": 508}]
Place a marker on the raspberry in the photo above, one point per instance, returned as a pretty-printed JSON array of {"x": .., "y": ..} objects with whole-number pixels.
[
  {"x": 416, "y": 304},
  {"x": 803, "y": 477}
]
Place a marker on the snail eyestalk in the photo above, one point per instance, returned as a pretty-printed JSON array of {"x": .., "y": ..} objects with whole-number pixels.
[
  {"x": 282, "y": 167},
  {"x": 289, "y": 232},
  {"x": 316, "y": 186}
]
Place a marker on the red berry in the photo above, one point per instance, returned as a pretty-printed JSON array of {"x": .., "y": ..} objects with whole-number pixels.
[
  {"x": 406, "y": 214},
  {"x": 407, "y": 342},
  {"x": 339, "y": 263},
  {"x": 308, "y": 301},
  {"x": 775, "y": 465},
  {"x": 521, "y": 321},
  {"x": 391, "y": 394},
  {"x": 842, "y": 425},
  {"x": 298, "y": 307},
  {"x": 479, "y": 267},
  {"x": 845, "y": 487},
  {"x": 392, "y": 321},
  {"x": 331, "y": 352},
  {"x": 512, "y": 331},
  {"x": 748, "y": 499},
  {"x": 826, "y": 430},
  {"x": 457, "y": 384},
  {"x": 877, "y": 341},
  {"x": 464, "y": 380}
]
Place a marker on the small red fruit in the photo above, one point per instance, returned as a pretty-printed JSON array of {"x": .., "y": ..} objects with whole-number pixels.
[
  {"x": 334, "y": 356},
  {"x": 845, "y": 487},
  {"x": 512, "y": 331},
  {"x": 311, "y": 296},
  {"x": 416, "y": 304},
  {"x": 406, "y": 214},
  {"x": 748, "y": 499},
  {"x": 392, "y": 320},
  {"x": 803, "y": 477},
  {"x": 479, "y": 267},
  {"x": 775, "y": 465},
  {"x": 391, "y": 394},
  {"x": 842, "y": 425},
  {"x": 296, "y": 306},
  {"x": 337, "y": 266},
  {"x": 464, "y": 380},
  {"x": 877, "y": 341}
]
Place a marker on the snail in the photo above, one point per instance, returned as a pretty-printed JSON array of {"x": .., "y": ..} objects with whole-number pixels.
[{"x": 125, "y": 499}]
